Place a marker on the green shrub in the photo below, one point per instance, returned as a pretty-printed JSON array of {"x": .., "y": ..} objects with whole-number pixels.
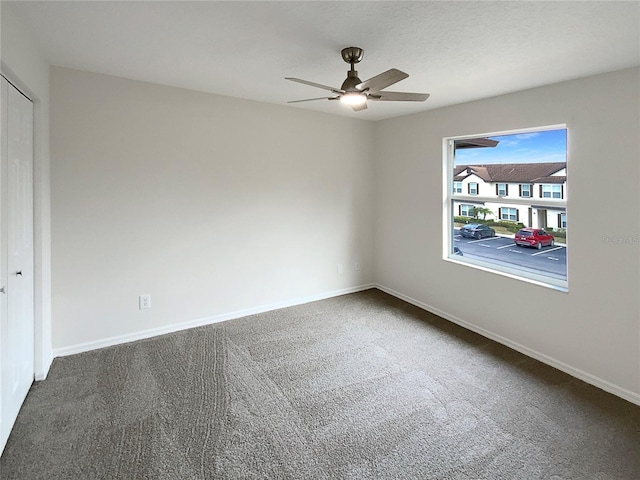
[
  {"x": 510, "y": 226},
  {"x": 513, "y": 227}
]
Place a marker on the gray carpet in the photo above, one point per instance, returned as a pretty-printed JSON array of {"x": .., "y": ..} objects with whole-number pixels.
[{"x": 363, "y": 386}]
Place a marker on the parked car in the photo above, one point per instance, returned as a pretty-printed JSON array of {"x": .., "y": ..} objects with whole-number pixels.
[
  {"x": 533, "y": 237},
  {"x": 477, "y": 230}
]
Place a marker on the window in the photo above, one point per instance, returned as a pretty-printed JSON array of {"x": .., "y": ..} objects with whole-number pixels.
[
  {"x": 484, "y": 167},
  {"x": 467, "y": 210},
  {"x": 550, "y": 191},
  {"x": 507, "y": 213},
  {"x": 562, "y": 220}
]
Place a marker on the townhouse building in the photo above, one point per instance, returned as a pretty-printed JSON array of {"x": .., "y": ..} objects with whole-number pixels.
[{"x": 533, "y": 194}]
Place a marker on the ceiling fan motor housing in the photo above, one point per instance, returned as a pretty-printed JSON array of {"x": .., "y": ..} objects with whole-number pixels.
[{"x": 349, "y": 85}]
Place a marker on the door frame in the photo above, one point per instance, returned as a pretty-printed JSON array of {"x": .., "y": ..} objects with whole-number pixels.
[
  {"x": 43, "y": 352},
  {"x": 542, "y": 218},
  {"x": 17, "y": 298}
]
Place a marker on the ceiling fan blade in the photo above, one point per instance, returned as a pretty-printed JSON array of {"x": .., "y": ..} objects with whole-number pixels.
[
  {"x": 385, "y": 79},
  {"x": 313, "y": 84},
  {"x": 312, "y": 99},
  {"x": 357, "y": 108},
  {"x": 399, "y": 97}
]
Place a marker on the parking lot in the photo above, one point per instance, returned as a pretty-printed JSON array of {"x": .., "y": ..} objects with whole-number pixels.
[{"x": 551, "y": 261}]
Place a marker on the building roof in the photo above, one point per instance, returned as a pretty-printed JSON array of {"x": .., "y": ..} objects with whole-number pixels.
[
  {"x": 475, "y": 143},
  {"x": 513, "y": 172}
]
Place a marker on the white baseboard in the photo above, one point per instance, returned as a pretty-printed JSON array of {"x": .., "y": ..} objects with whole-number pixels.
[
  {"x": 41, "y": 374},
  {"x": 574, "y": 372},
  {"x": 140, "y": 335}
]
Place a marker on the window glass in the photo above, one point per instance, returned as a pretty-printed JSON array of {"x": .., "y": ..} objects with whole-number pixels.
[
  {"x": 487, "y": 167},
  {"x": 551, "y": 191},
  {"x": 507, "y": 213},
  {"x": 466, "y": 210}
]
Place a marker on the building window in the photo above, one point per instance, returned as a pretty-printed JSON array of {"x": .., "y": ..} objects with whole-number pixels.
[
  {"x": 467, "y": 210},
  {"x": 562, "y": 220},
  {"x": 487, "y": 165},
  {"x": 508, "y": 213},
  {"x": 551, "y": 191}
]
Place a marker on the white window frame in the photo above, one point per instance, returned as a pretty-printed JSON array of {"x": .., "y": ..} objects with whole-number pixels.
[
  {"x": 457, "y": 187},
  {"x": 477, "y": 189},
  {"x": 563, "y": 221},
  {"x": 462, "y": 206},
  {"x": 522, "y": 186},
  {"x": 519, "y": 274},
  {"x": 551, "y": 189},
  {"x": 508, "y": 216},
  {"x": 505, "y": 190}
]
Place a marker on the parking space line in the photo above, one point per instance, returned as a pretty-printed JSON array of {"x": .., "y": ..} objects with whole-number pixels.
[
  {"x": 516, "y": 251},
  {"x": 487, "y": 246},
  {"x": 553, "y": 258},
  {"x": 545, "y": 251},
  {"x": 505, "y": 246},
  {"x": 484, "y": 239}
]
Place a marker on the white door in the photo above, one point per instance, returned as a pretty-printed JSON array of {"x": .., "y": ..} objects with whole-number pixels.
[
  {"x": 16, "y": 256},
  {"x": 542, "y": 218}
]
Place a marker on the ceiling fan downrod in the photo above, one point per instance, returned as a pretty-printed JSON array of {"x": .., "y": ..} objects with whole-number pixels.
[{"x": 352, "y": 55}]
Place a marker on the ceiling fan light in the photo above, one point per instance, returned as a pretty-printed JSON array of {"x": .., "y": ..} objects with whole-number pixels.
[{"x": 353, "y": 98}]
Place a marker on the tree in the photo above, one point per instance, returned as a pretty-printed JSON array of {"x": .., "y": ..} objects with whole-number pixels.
[{"x": 484, "y": 211}]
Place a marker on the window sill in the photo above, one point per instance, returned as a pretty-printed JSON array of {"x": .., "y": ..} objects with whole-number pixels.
[{"x": 505, "y": 270}]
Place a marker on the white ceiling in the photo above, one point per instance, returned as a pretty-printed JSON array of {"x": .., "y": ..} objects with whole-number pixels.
[{"x": 456, "y": 51}]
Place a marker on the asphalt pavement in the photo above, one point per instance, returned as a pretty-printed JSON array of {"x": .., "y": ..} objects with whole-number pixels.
[{"x": 551, "y": 261}]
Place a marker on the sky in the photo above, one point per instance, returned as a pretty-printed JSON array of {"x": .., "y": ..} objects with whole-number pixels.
[{"x": 530, "y": 147}]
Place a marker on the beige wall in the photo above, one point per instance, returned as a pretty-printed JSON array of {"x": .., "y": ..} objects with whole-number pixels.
[
  {"x": 217, "y": 206},
  {"x": 211, "y": 205},
  {"x": 593, "y": 331}
]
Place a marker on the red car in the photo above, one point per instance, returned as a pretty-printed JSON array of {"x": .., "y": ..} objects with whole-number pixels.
[{"x": 533, "y": 237}]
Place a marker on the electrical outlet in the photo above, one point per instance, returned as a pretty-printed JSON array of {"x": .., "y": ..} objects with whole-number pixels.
[
  {"x": 144, "y": 302},
  {"x": 356, "y": 266}
]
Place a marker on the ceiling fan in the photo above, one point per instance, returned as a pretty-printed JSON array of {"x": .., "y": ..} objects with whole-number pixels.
[{"x": 355, "y": 92}]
